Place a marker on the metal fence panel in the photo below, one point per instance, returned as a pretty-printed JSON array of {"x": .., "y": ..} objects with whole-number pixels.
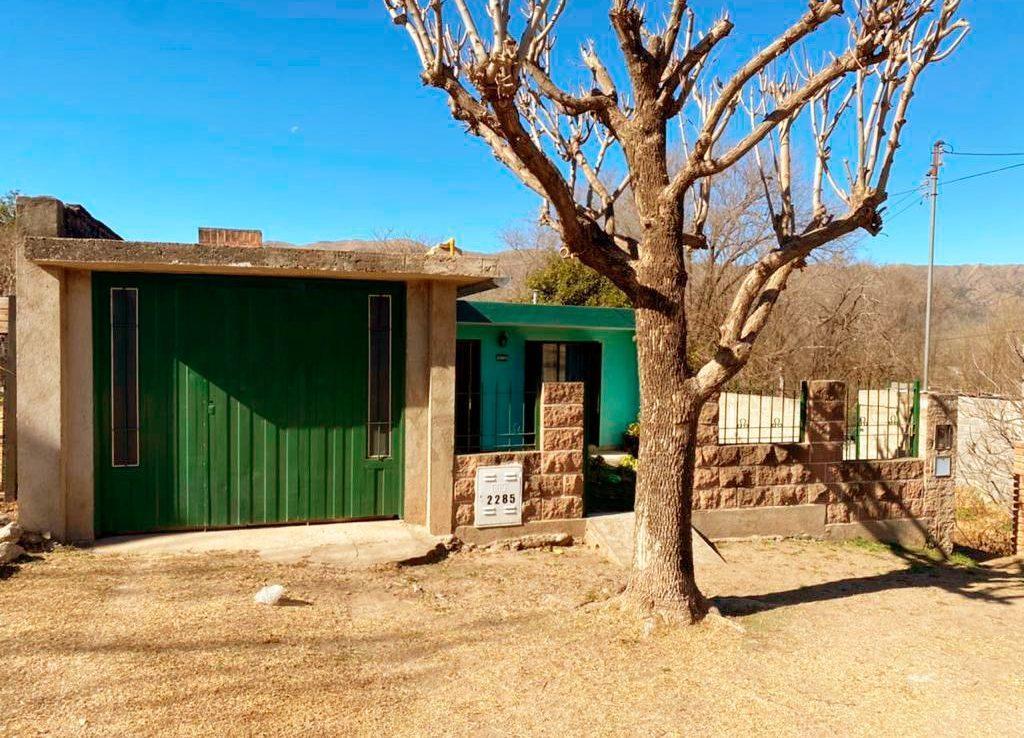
[
  {"x": 882, "y": 422},
  {"x": 762, "y": 417}
]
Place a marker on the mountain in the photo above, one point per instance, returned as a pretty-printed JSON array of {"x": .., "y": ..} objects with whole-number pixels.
[{"x": 397, "y": 245}]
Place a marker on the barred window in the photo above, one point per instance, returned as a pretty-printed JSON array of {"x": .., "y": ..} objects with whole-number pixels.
[
  {"x": 124, "y": 376},
  {"x": 378, "y": 422}
]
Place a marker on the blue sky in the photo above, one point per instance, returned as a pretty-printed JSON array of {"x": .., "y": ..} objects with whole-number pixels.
[{"x": 306, "y": 119}]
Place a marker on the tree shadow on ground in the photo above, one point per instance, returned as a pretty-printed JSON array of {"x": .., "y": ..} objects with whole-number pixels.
[
  {"x": 1000, "y": 583},
  {"x": 9, "y": 570}
]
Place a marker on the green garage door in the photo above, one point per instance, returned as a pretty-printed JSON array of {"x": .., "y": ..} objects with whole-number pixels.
[{"x": 242, "y": 401}]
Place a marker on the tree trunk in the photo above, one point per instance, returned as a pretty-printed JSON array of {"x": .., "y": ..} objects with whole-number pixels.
[{"x": 662, "y": 580}]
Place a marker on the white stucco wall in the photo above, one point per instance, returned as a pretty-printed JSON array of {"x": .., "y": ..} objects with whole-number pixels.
[{"x": 988, "y": 428}]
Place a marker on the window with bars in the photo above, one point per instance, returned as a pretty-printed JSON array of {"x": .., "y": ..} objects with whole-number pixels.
[
  {"x": 124, "y": 376},
  {"x": 378, "y": 422}
]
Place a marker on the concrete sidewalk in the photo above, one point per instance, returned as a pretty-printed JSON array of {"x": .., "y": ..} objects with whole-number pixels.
[
  {"x": 340, "y": 544},
  {"x": 612, "y": 535}
]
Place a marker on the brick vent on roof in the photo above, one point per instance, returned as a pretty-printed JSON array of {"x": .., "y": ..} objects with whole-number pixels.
[{"x": 230, "y": 237}]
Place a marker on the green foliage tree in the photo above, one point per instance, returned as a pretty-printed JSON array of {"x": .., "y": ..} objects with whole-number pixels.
[{"x": 571, "y": 282}]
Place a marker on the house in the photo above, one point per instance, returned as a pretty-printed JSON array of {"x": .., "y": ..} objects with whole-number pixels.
[
  {"x": 505, "y": 351},
  {"x": 227, "y": 383}
]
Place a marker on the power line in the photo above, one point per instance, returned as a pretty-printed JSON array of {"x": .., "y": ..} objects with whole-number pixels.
[
  {"x": 900, "y": 212},
  {"x": 951, "y": 152},
  {"x": 897, "y": 201},
  {"x": 981, "y": 174},
  {"x": 919, "y": 188}
]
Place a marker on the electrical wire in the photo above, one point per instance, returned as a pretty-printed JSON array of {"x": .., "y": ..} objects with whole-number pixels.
[
  {"x": 980, "y": 174},
  {"x": 919, "y": 188},
  {"x": 952, "y": 152},
  {"x": 906, "y": 197},
  {"x": 900, "y": 212}
]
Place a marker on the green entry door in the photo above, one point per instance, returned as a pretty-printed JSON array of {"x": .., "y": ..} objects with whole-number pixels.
[{"x": 242, "y": 401}]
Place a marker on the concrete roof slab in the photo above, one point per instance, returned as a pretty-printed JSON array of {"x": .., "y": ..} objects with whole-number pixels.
[{"x": 190, "y": 258}]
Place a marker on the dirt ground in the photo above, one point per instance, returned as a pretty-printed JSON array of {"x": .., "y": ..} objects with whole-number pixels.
[{"x": 832, "y": 639}]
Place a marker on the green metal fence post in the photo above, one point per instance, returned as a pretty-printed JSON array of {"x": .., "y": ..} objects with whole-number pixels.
[
  {"x": 915, "y": 422},
  {"x": 803, "y": 411}
]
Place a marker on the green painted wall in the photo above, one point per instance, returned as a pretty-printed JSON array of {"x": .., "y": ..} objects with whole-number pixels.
[{"x": 620, "y": 393}]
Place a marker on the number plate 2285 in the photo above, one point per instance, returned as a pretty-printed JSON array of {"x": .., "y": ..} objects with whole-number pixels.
[{"x": 499, "y": 495}]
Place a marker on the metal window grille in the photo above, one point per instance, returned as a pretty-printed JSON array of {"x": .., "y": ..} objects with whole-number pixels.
[
  {"x": 762, "y": 416},
  {"x": 883, "y": 421},
  {"x": 378, "y": 421},
  {"x": 124, "y": 376},
  {"x": 496, "y": 419}
]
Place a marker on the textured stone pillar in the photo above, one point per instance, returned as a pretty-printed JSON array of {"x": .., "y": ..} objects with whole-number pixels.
[
  {"x": 1018, "y": 507},
  {"x": 561, "y": 446},
  {"x": 826, "y": 420},
  {"x": 825, "y": 435},
  {"x": 939, "y": 412},
  {"x": 707, "y": 425}
]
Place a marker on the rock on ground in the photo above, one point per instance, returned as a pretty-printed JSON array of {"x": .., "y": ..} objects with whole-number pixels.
[
  {"x": 533, "y": 541},
  {"x": 270, "y": 595},
  {"x": 11, "y": 533},
  {"x": 10, "y": 552}
]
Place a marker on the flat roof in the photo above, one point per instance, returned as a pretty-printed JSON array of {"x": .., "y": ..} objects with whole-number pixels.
[
  {"x": 470, "y": 273},
  {"x": 544, "y": 316}
]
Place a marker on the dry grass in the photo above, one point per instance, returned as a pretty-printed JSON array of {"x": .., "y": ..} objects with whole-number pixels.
[
  {"x": 981, "y": 525},
  {"x": 8, "y": 510},
  {"x": 845, "y": 640}
]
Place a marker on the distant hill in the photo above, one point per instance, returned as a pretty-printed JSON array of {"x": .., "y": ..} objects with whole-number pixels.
[
  {"x": 975, "y": 291},
  {"x": 397, "y": 245},
  {"x": 974, "y": 287}
]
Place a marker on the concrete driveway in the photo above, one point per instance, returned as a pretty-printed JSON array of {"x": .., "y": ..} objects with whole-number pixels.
[{"x": 341, "y": 544}]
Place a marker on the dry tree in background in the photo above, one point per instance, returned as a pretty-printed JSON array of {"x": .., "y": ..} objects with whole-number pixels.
[{"x": 500, "y": 78}]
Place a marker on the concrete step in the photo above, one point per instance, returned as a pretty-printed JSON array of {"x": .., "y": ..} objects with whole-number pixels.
[{"x": 612, "y": 535}]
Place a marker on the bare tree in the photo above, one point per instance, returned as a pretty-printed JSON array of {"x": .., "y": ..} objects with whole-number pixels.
[
  {"x": 7, "y": 236},
  {"x": 499, "y": 79}
]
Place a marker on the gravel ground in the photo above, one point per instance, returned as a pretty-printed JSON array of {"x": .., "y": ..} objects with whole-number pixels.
[{"x": 831, "y": 639}]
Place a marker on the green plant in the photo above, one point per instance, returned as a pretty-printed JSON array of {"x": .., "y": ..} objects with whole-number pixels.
[
  {"x": 919, "y": 558},
  {"x": 631, "y": 439},
  {"x": 571, "y": 282}
]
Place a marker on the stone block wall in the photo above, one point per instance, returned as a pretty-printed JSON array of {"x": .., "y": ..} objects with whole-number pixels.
[
  {"x": 552, "y": 473},
  {"x": 940, "y": 493},
  {"x": 855, "y": 496},
  {"x": 1018, "y": 504}
]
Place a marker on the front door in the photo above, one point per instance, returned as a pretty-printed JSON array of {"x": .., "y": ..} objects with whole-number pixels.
[
  {"x": 244, "y": 401},
  {"x": 569, "y": 361}
]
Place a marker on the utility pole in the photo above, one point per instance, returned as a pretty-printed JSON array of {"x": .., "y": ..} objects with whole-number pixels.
[{"x": 933, "y": 176}]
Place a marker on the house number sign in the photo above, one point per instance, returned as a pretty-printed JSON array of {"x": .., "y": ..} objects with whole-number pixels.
[{"x": 499, "y": 496}]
